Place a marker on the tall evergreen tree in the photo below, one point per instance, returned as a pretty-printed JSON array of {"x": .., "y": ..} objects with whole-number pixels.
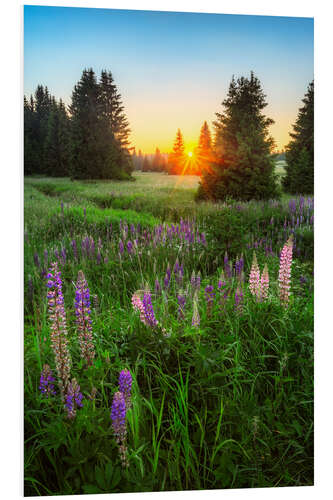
[
  {"x": 203, "y": 153},
  {"x": 113, "y": 109},
  {"x": 158, "y": 163},
  {"x": 30, "y": 146},
  {"x": 242, "y": 168},
  {"x": 177, "y": 159},
  {"x": 299, "y": 176},
  {"x": 57, "y": 153}
]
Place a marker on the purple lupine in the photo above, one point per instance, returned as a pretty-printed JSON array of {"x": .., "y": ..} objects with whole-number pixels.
[
  {"x": 92, "y": 247},
  {"x": 209, "y": 296},
  {"x": 98, "y": 257},
  {"x": 63, "y": 255},
  {"x": 239, "y": 265},
  {"x": 46, "y": 385},
  {"x": 121, "y": 247},
  {"x": 227, "y": 266},
  {"x": 238, "y": 300},
  {"x": 57, "y": 315},
  {"x": 149, "y": 311},
  {"x": 166, "y": 281},
  {"x": 193, "y": 280},
  {"x": 125, "y": 386},
  {"x": 36, "y": 260},
  {"x": 179, "y": 276},
  {"x": 118, "y": 417},
  {"x": 157, "y": 286},
  {"x": 222, "y": 282},
  {"x": 83, "y": 320},
  {"x": 168, "y": 271},
  {"x": 30, "y": 289},
  {"x": 203, "y": 239},
  {"x": 74, "y": 248},
  {"x": 132, "y": 228},
  {"x": 73, "y": 399},
  {"x": 181, "y": 304},
  {"x": 129, "y": 247}
]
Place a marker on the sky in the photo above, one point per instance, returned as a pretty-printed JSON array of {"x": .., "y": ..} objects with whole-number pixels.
[{"x": 172, "y": 69}]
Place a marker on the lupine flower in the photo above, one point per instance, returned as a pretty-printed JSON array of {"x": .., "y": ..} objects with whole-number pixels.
[
  {"x": 73, "y": 398},
  {"x": 118, "y": 417},
  {"x": 30, "y": 289},
  {"x": 285, "y": 271},
  {"x": 36, "y": 260},
  {"x": 166, "y": 280},
  {"x": 125, "y": 386},
  {"x": 121, "y": 247},
  {"x": 193, "y": 280},
  {"x": 181, "y": 304},
  {"x": 98, "y": 257},
  {"x": 149, "y": 311},
  {"x": 129, "y": 246},
  {"x": 46, "y": 385},
  {"x": 239, "y": 266},
  {"x": 157, "y": 286},
  {"x": 138, "y": 306},
  {"x": 74, "y": 248},
  {"x": 196, "y": 316},
  {"x": 222, "y": 282},
  {"x": 238, "y": 300},
  {"x": 254, "y": 277},
  {"x": 227, "y": 267},
  {"x": 83, "y": 320},
  {"x": 209, "y": 296},
  {"x": 264, "y": 283},
  {"x": 57, "y": 317}
]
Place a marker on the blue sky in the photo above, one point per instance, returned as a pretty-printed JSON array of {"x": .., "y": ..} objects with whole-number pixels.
[{"x": 172, "y": 69}]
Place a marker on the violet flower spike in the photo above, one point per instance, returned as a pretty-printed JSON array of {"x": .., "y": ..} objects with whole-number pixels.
[
  {"x": 46, "y": 385},
  {"x": 125, "y": 386}
]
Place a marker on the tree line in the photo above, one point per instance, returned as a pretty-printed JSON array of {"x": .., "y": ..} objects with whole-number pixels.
[{"x": 89, "y": 140}]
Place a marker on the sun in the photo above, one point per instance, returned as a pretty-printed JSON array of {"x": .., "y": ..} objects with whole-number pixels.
[{"x": 190, "y": 154}]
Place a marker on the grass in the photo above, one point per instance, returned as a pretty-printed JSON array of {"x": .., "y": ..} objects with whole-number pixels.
[{"x": 227, "y": 404}]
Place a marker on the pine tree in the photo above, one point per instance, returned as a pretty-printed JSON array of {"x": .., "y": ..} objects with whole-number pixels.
[
  {"x": 242, "y": 167},
  {"x": 300, "y": 150},
  {"x": 30, "y": 147},
  {"x": 204, "y": 151},
  {"x": 57, "y": 154},
  {"x": 177, "y": 159},
  {"x": 158, "y": 163},
  {"x": 113, "y": 109}
]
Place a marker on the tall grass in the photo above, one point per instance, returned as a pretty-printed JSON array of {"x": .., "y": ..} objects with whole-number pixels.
[{"x": 227, "y": 404}]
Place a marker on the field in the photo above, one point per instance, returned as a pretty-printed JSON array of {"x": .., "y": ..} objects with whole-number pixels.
[{"x": 222, "y": 371}]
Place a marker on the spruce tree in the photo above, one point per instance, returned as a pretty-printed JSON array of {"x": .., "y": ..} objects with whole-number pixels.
[
  {"x": 177, "y": 159},
  {"x": 242, "y": 167},
  {"x": 30, "y": 146},
  {"x": 146, "y": 165},
  {"x": 299, "y": 176},
  {"x": 57, "y": 154},
  {"x": 203, "y": 153}
]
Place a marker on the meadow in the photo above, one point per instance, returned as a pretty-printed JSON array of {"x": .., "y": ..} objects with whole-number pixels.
[{"x": 211, "y": 354}]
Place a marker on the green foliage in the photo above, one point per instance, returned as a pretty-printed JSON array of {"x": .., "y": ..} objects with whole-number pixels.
[
  {"x": 242, "y": 168},
  {"x": 176, "y": 159},
  {"x": 227, "y": 405},
  {"x": 300, "y": 150}
]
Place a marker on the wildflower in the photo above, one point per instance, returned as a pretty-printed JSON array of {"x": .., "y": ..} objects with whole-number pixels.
[
  {"x": 83, "y": 320},
  {"x": 74, "y": 248},
  {"x": 36, "y": 260},
  {"x": 121, "y": 247},
  {"x": 222, "y": 282},
  {"x": 196, "y": 316},
  {"x": 285, "y": 271},
  {"x": 98, "y": 257},
  {"x": 193, "y": 280},
  {"x": 238, "y": 300},
  {"x": 125, "y": 386},
  {"x": 209, "y": 296},
  {"x": 254, "y": 277},
  {"x": 264, "y": 283},
  {"x": 227, "y": 266},
  {"x": 138, "y": 306},
  {"x": 149, "y": 311},
  {"x": 181, "y": 304},
  {"x": 166, "y": 280},
  {"x": 157, "y": 286},
  {"x": 118, "y": 417},
  {"x": 46, "y": 385},
  {"x": 57, "y": 315},
  {"x": 129, "y": 247},
  {"x": 73, "y": 398}
]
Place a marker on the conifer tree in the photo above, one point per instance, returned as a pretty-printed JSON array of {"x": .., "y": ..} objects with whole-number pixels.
[
  {"x": 176, "y": 159},
  {"x": 242, "y": 168},
  {"x": 203, "y": 152},
  {"x": 146, "y": 165},
  {"x": 57, "y": 154},
  {"x": 299, "y": 176},
  {"x": 30, "y": 148}
]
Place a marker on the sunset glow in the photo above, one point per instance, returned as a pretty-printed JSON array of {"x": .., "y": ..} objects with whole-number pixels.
[{"x": 166, "y": 83}]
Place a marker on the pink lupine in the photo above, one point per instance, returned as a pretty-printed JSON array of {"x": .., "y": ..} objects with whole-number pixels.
[
  {"x": 138, "y": 306},
  {"x": 264, "y": 284},
  {"x": 285, "y": 271},
  {"x": 255, "y": 277}
]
